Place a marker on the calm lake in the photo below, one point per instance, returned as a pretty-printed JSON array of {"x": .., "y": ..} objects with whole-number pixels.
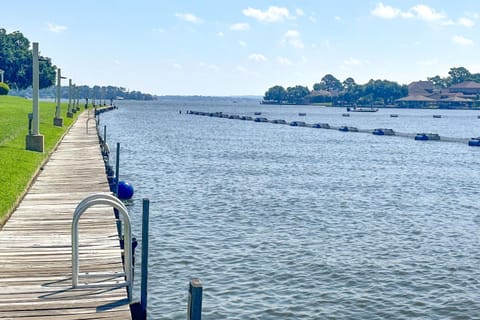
[{"x": 284, "y": 222}]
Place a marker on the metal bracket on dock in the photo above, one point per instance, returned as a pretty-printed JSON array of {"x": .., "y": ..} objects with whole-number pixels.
[{"x": 103, "y": 199}]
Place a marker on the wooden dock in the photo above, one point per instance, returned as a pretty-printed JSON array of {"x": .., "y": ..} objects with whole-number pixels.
[{"x": 35, "y": 244}]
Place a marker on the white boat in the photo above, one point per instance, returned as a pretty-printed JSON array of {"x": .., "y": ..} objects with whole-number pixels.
[{"x": 358, "y": 109}]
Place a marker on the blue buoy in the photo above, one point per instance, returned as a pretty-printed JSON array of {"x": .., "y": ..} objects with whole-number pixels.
[{"x": 125, "y": 190}]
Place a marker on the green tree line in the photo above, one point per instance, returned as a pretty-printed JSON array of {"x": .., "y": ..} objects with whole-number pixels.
[
  {"x": 97, "y": 92},
  {"x": 332, "y": 90},
  {"x": 16, "y": 62}
]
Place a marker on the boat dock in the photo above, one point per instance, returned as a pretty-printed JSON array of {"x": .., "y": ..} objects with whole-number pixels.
[{"x": 36, "y": 242}]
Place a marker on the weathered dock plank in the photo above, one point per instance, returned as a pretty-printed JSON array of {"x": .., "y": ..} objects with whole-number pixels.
[{"x": 35, "y": 244}]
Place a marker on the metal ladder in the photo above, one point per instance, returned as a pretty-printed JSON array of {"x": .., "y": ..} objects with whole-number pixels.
[{"x": 103, "y": 199}]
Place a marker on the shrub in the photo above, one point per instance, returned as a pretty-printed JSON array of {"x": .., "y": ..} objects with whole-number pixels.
[{"x": 4, "y": 88}]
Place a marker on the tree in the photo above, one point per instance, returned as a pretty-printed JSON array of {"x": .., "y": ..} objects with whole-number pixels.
[
  {"x": 16, "y": 61},
  {"x": 439, "y": 82},
  {"x": 275, "y": 93},
  {"x": 328, "y": 83},
  {"x": 348, "y": 84},
  {"x": 296, "y": 94},
  {"x": 458, "y": 75}
]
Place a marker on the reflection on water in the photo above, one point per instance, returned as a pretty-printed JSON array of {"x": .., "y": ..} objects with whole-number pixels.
[{"x": 283, "y": 222}]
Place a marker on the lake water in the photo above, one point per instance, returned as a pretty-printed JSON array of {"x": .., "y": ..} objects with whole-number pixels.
[{"x": 284, "y": 222}]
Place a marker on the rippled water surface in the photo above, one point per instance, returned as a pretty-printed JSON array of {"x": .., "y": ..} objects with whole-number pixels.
[{"x": 283, "y": 222}]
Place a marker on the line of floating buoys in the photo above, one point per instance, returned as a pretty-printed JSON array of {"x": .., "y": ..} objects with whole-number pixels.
[{"x": 379, "y": 131}]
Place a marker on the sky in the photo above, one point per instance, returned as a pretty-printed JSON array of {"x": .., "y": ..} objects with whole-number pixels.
[{"x": 236, "y": 47}]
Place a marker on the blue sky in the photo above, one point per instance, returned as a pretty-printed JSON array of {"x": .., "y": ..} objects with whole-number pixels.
[{"x": 234, "y": 47}]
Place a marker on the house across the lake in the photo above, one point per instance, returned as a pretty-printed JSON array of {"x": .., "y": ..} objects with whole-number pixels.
[{"x": 422, "y": 94}]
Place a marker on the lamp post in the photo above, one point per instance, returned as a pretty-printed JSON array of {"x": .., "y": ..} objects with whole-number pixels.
[
  {"x": 1, "y": 75},
  {"x": 69, "y": 111},
  {"x": 34, "y": 140},
  {"x": 74, "y": 93},
  {"x": 58, "y": 120}
]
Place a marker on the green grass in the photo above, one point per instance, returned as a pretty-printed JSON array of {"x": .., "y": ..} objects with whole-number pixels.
[{"x": 17, "y": 165}]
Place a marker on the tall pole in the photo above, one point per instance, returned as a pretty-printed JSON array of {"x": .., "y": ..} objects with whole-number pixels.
[
  {"x": 74, "y": 93},
  {"x": 36, "y": 115},
  {"x": 69, "y": 111},
  {"x": 34, "y": 140},
  {"x": 58, "y": 121}
]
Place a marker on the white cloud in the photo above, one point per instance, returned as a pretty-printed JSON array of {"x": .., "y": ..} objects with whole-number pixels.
[
  {"x": 385, "y": 12},
  {"x": 177, "y": 66},
  {"x": 284, "y": 61},
  {"x": 159, "y": 30},
  {"x": 299, "y": 12},
  {"x": 242, "y": 43},
  {"x": 337, "y": 18},
  {"x": 420, "y": 12},
  {"x": 240, "y": 27},
  {"x": 426, "y": 13},
  {"x": 466, "y": 22},
  {"x": 462, "y": 41},
  {"x": 117, "y": 62},
  {"x": 56, "y": 28},
  {"x": 352, "y": 62},
  {"x": 292, "y": 37},
  {"x": 220, "y": 34},
  {"x": 189, "y": 17},
  {"x": 312, "y": 19},
  {"x": 272, "y": 14},
  {"x": 258, "y": 57}
]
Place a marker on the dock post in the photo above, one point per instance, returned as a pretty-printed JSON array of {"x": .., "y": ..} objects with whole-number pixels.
[
  {"x": 144, "y": 283},
  {"x": 195, "y": 290},
  {"x": 104, "y": 134},
  {"x": 117, "y": 169}
]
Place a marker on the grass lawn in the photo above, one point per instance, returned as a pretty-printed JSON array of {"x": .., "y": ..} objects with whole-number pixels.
[{"x": 17, "y": 165}]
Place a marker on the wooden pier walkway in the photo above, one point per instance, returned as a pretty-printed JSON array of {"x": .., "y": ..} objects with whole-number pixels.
[{"x": 35, "y": 244}]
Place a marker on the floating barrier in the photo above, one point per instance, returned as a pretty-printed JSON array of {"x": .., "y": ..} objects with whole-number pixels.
[
  {"x": 348, "y": 129},
  {"x": 427, "y": 136},
  {"x": 474, "y": 142},
  {"x": 378, "y": 131},
  {"x": 302, "y": 114},
  {"x": 345, "y": 114},
  {"x": 321, "y": 125},
  {"x": 437, "y": 116},
  {"x": 394, "y": 115},
  {"x": 298, "y": 124},
  {"x": 383, "y": 132},
  {"x": 257, "y": 113}
]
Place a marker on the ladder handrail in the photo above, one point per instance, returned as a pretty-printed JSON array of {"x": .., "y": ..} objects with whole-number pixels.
[
  {"x": 103, "y": 199},
  {"x": 91, "y": 118}
]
